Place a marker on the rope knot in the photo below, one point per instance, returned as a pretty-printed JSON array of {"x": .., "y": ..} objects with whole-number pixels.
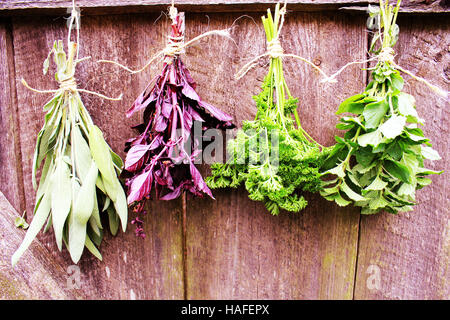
[
  {"x": 274, "y": 48},
  {"x": 68, "y": 85},
  {"x": 174, "y": 47},
  {"x": 386, "y": 55}
]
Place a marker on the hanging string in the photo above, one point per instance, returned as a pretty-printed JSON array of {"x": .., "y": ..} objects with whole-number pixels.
[
  {"x": 275, "y": 50},
  {"x": 70, "y": 84},
  {"x": 174, "y": 46},
  {"x": 387, "y": 55}
]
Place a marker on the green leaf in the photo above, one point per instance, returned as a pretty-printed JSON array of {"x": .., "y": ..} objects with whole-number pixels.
[
  {"x": 100, "y": 151},
  {"x": 82, "y": 153},
  {"x": 395, "y": 151},
  {"x": 407, "y": 189},
  {"x": 61, "y": 199},
  {"x": 374, "y": 112},
  {"x": 42, "y": 141},
  {"x": 77, "y": 238},
  {"x": 40, "y": 217},
  {"x": 96, "y": 212},
  {"x": 429, "y": 153},
  {"x": 76, "y": 232},
  {"x": 338, "y": 170},
  {"x": 377, "y": 184},
  {"x": 425, "y": 172},
  {"x": 121, "y": 207},
  {"x": 397, "y": 170},
  {"x": 364, "y": 156},
  {"x": 113, "y": 220},
  {"x": 393, "y": 127},
  {"x": 350, "y": 105},
  {"x": 406, "y": 105},
  {"x": 422, "y": 182},
  {"x": 367, "y": 210},
  {"x": 20, "y": 222},
  {"x": 117, "y": 161},
  {"x": 397, "y": 81},
  {"x": 363, "y": 169},
  {"x": 341, "y": 201},
  {"x": 378, "y": 203},
  {"x": 107, "y": 203},
  {"x": 373, "y": 138},
  {"x": 92, "y": 249},
  {"x": 84, "y": 203},
  {"x": 350, "y": 193}
]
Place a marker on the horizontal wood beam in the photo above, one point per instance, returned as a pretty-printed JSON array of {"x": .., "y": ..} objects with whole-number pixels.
[{"x": 96, "y": 7}]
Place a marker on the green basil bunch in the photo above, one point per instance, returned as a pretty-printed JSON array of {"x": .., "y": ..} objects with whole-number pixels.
[{"x": 379, "y": 162}]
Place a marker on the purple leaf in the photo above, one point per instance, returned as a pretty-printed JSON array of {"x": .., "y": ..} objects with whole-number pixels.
[
  {"x": 135, "y": 157},
  {"x": 174, "y": 194},
  {"x": 198, "y": 180},
  {"x": 216, "y": 113},
  {"x": 189, "y": 92},
  {"x": 160, "y": 124},
  {"x": 140, "y": 187}
]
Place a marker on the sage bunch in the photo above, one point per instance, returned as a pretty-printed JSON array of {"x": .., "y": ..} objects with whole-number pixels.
[{"x": 79, "y": 178}]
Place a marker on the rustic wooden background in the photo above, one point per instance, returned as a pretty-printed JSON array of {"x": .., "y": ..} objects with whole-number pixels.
[{"x": 230, "y": 248}]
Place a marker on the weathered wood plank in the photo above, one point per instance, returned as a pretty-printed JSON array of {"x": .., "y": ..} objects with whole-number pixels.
[
  {"x": 37, "y": 276},
  {"x": 131, "y": 268},
  {"x": 10, "y": 175},
  {"x": 410, "y": 252},
  {"x": 236, "y": 249},
  {"x": 121, "y": 6}
]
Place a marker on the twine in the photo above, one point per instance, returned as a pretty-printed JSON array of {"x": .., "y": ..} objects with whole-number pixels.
[
  {"x": 387, "y": 55},
  {"x": 175, "y": 45},
  {"x": 274, "y": 48},
  {"x": 69, "y": 85},
  {"x": 274, "y": 51}
]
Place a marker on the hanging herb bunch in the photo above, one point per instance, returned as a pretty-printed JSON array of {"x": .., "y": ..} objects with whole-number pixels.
[
  {"x": 79, "y": 177},
  {"x": 379, "y": 163},
  {"x": 158, "y": 157},
  {"x": 272, "y": 155}
]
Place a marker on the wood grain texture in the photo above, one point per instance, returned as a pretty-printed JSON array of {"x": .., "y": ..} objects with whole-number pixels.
[
  {"x": 236, "y": 249},
  {"x": 10, "y": 160},
  {"x": 38, "y": 275},
  {"x": 127, "y": 6},
  {"x": 411, "y": 250},
  {"x": 131, "y": 268}
]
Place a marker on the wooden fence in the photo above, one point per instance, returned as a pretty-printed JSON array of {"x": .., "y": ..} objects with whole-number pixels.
[{"x": 230, "y": 248}]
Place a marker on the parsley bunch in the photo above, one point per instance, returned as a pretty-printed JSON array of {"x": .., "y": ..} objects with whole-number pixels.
[
  {"x": 272, "y": 155},
  {"x": 383, "y": 137}
]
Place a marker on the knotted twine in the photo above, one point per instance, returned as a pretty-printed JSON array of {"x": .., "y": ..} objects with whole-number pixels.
[
  {"x": 387, "y": 55},
  {"x": 175, "y": 45},
  {"x": 70, "y": 84},
  {"x": 275, "y": 50}
]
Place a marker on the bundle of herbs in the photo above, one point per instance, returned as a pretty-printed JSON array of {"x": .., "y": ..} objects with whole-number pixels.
[
  {"x": 379, "y": 162},
  {"x": 272, "y": 155},
  {"x": 160, "y": 156},
  {"x": 79, "y": 178}
]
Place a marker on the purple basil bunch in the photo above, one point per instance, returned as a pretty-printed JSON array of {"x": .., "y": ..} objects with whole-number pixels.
[{"x": 158, "y": 157}]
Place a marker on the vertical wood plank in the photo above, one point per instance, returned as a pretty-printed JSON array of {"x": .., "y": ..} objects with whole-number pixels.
[
  {"x": 236, "y": 249},
  {"x": 10, "y": 160},
  {"x": 132, "y": 268},
  {"x": 409, "y": 253}
]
